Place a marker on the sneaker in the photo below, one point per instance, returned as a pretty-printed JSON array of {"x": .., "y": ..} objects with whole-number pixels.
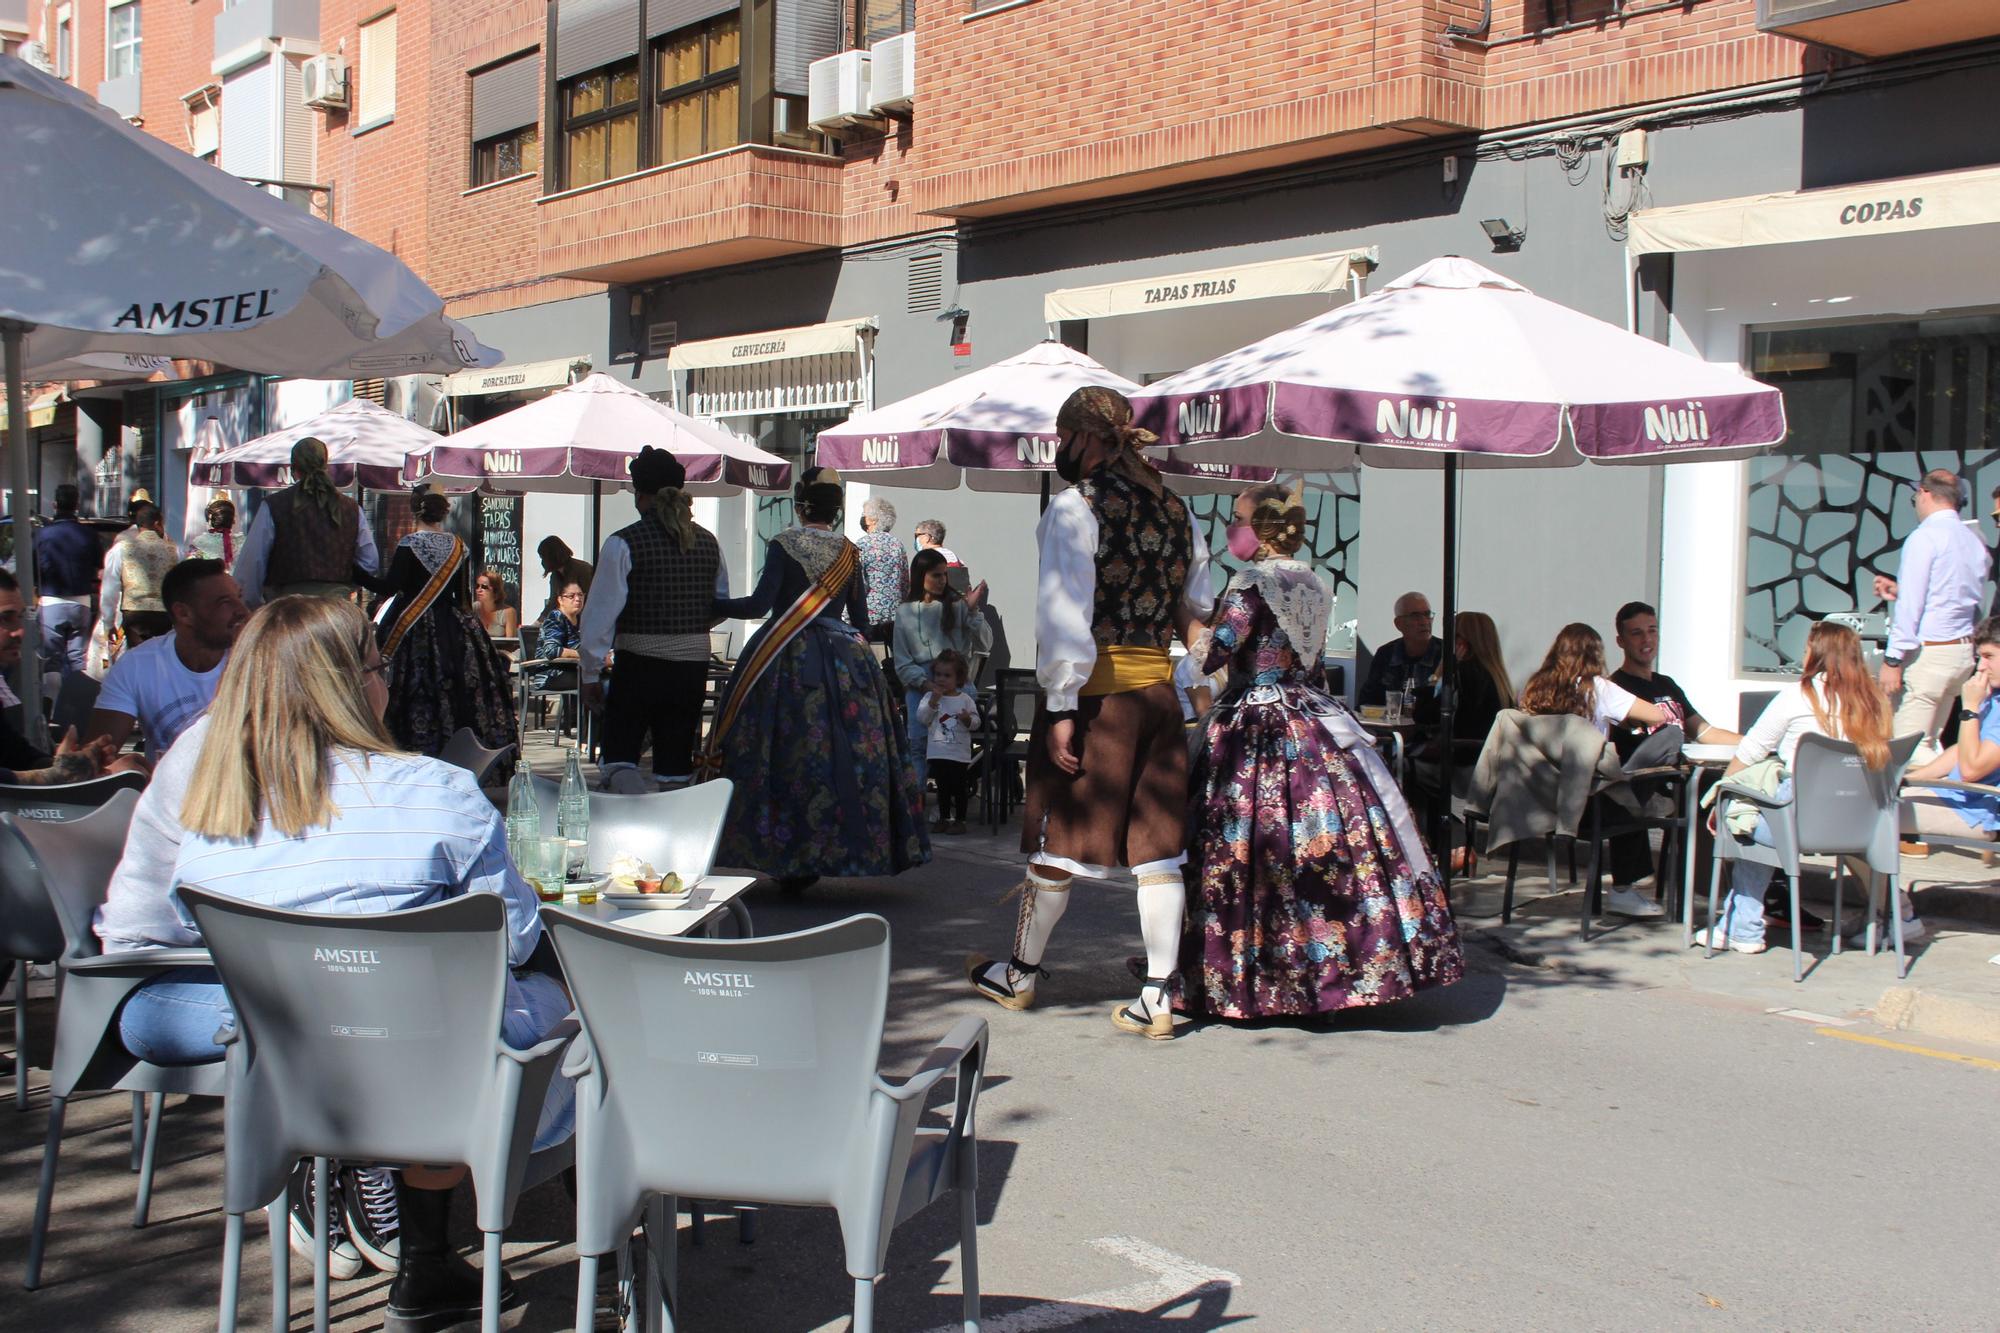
[
  {"x": 436, "y": 1293},
  {"x": 368, "y": 1208},
  {"x": 1624, "y": 900},
  {"x": 343, "y": 1260},
  {"x": 1724, "y": 942}
]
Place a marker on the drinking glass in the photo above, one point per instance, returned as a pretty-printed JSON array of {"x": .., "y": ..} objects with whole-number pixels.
[{"x": 547, "y": 859}]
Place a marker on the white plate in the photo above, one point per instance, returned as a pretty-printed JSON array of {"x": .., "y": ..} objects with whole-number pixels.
[{"x": 652, "y": 901}]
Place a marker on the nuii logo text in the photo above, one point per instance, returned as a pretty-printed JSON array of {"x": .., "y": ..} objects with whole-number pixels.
[
  {"x": 760, "y": 477},
  {"x": 1035, "y": 451},
  {"x": 1199, "y": 416},
  {"x": 879, "y": 451},
  {"x": 1400, "y": 420},
  {"x": 493, "y": 461},
  {"x": 1677, "y": 425}
]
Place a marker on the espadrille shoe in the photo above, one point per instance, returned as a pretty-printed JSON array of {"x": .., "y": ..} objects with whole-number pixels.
[{"x": 997, "y": 989}]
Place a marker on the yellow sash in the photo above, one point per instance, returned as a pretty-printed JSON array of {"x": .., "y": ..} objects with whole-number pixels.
[{"x": 1120, "y": 670}]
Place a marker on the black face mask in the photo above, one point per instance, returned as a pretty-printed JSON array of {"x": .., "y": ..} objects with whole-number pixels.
[{"x": 1069, "y": 463}]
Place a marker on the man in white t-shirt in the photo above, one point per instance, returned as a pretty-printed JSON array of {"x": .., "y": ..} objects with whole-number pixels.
[{"x": 164, "y": 684}]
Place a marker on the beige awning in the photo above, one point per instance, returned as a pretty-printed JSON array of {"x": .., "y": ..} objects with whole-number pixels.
[
  {"x": 1307, "y": 275},
  {"x": 514, "y": 379},
  {"x": 1908, "y": 203},
  {"x": 774, "y": 345}
]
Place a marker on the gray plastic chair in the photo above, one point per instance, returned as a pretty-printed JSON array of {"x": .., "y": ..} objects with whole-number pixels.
[
  {"x": 372, "y": 1039},
  {"x": 70, "y": 864},
  {"x": 464, "y": 751},
  {"x": 68, "y": 800},
  {"x": 762, "y": 1054},
  {"x": 1840, "y": 808},
  {"x": 677, "y": 830}
]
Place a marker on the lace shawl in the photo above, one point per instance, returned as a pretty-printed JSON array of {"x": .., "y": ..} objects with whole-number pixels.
[
  {"x": 432, "y": 549},
  {"x": 1299, "y": 600},
  {"x": 813, "y": 548}
]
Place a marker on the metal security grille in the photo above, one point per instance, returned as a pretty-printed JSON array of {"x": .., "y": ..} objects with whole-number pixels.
[
  {"x": 661, "y": 335},
  {"x": 795, "y": 384},
  {"x": 926, "y": 284}
]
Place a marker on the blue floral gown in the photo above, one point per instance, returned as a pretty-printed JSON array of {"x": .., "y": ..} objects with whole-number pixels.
[{"x": 1304, "y": 896}]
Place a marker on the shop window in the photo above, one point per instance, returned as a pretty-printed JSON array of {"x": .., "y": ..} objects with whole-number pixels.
[
  {"x": 696, "y": 70},
  {"x": 876, "y": 19},
  {"x": 600, "y": 124},
  {"x": 121, "y": 40},
  {"x": 1871, "y": 407},
  {"x": 377, "y": 73},
  {"x": 505, "y": 156}
]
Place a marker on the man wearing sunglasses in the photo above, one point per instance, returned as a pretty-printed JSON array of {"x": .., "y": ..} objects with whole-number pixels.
[{"x": 1410, "y": 660}]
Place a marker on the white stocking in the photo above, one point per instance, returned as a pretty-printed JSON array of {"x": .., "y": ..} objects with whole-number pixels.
[
  {"x": 1162, "y": 909},
  {"x": 1044, "y": 899}
]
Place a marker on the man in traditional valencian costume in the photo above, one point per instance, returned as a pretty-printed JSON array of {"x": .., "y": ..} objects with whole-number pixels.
[{"x": 1123, "y": 571}]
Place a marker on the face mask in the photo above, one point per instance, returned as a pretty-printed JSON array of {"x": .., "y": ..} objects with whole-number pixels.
[
  {"x": 1242, "y": 541},
  {"x": 1069, "y": 463}
]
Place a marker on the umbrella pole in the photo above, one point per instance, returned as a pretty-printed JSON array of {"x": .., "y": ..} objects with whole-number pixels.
[
  {"x": 596, "y": 517},
  {"x": 1045, "y": 492},
  {"x": 29, "y": 690},
  {"x": 1448, "y": 676}
]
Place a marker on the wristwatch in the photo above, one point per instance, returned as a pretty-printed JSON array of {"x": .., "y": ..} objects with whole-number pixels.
[
  {"x": 1892, "y": 659},
  {"x": 1968, "y": 714}
]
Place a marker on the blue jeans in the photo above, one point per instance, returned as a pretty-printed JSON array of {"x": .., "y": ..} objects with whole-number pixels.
[
  {"x": 173, "y": 1019},
  {"x": 65, "y": 636},
  {"x": 1743, "y": 909},
  {"x": 919, "y": 734}
]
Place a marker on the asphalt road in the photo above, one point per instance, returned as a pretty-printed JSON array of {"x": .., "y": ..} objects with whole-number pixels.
[{"x": 1526, "y": 1149}]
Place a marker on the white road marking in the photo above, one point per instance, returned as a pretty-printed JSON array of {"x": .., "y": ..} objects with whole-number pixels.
[
  {"x": 1808, "y": 1016},
  {"x": 1173, "y": 1279}
]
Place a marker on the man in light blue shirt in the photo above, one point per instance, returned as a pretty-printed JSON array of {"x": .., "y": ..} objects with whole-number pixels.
[{"x": 1939, "y": 583}]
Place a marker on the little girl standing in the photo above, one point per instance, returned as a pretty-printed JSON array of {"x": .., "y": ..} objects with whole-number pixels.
[{"x": 949, "y": 715}]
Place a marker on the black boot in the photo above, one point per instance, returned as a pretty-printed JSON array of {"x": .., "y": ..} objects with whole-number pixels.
[{"x": 435, "y": 1289}]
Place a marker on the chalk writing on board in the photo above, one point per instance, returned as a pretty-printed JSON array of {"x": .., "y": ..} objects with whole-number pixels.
[{"x": 500, "y": 539}]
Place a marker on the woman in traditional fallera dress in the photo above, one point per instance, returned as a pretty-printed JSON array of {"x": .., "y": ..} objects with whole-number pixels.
[
  {"x": 443, "y": 672},
  {"x": 824, "y": 780},
  {"x": 1310, "y": 889}
]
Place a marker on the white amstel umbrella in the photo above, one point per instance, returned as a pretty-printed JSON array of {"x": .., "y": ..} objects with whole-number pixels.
[
  {"x": 1453, "y": 359},
  {"x": 588, "y": 433},
  {"x": 365, "y": 443},
  {"x": 995, "y": 428}
]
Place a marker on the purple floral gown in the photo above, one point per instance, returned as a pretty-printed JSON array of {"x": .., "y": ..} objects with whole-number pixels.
[{"x": 1304, "y": 897}]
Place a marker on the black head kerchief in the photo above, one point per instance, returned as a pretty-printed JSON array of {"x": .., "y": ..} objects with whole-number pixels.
[{"x": 657, "y": 470}]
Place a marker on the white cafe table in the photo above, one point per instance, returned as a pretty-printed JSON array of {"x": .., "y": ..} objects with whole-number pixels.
[
  {"x": 714, "y": 897},
  {"x": 1697, "y": 757}
]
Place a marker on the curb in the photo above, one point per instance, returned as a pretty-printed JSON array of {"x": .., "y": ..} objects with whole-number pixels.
[{"x": 1952, "y": 1017}]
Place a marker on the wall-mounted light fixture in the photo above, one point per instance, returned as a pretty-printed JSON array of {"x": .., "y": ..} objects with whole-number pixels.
[{"x": 1505, "y": 236}]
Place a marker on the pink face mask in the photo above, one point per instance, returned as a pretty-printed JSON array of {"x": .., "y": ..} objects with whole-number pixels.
[{"x": 1242, "y": 541}]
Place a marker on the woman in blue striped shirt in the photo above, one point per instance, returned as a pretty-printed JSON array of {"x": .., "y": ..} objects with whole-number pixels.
[{"x": 298, "y": 799}]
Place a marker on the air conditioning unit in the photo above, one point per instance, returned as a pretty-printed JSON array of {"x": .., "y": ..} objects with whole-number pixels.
[
  {"x": 323, "y": 82},
  {"x": 837, "y": 90},
  {"x": 892, "y": 75}
]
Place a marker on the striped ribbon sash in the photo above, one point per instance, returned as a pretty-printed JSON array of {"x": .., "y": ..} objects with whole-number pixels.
[{"x": 415, "y": 610}]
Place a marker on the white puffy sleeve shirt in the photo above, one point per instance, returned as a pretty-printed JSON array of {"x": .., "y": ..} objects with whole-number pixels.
[{"x": 1065, "y": 650}]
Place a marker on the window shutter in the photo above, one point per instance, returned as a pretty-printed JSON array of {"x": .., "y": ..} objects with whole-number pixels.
[
  {"x": 806, "y": 31},
  {"x": 375, "y": 391},
  {"x": 378, "y": 69},
  {"x": 205, "y": 130},
  {"x": 506, "y": 97},
  {"x": 665, "y": 16},
  {"x": 591, "y": 34}
]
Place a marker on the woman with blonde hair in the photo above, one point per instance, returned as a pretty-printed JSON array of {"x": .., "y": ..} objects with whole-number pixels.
[
  {"x": 1835, "y": 696},
  {"x": 1483, "y": 686},
  {"x": 291, "y": 793},
  {"x": 1309, "y": 887}
]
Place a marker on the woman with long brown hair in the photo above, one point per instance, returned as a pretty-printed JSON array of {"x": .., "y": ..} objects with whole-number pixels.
[
  {"x": 1483, "y": 686},
  {"x": 1574, "y": 678},
  {"x": 1836, "y": 696}
]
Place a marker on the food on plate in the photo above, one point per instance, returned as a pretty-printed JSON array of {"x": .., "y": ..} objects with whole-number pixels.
[{"x": 634, "y": 874}]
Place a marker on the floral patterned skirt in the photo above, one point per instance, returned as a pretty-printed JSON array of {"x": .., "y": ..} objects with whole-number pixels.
[
  {"x": 1301, "y": 899},
  {"x": 447, "y": 674},
  {"x": 824, "y": 781}
]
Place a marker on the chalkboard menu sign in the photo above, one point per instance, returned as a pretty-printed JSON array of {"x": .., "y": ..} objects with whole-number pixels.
[{"x": 500, "y": 540}]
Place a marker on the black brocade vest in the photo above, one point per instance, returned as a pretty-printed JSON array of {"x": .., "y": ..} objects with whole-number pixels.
[
  {"x": 669, "y": 591},
  {"x": 1144, "y": 547}
]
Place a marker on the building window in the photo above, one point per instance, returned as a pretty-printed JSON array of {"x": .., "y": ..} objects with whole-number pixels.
[
  {"x": 121, "y": 40},
  {"x": 696, "y": 71},
  {"x": 876, "y": 19},
  {"x": 600, "y": 119},
  {"x": 377, "y": 72},
  {"x": 505, "y": 156},
  {"x": 65, "y": 47},
  {"x": 1871, "y": 407}
]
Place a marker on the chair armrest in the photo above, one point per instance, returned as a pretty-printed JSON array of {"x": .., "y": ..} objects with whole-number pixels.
[
  {"x": 1657, "y": 771},
  {"x": 1762, "y": 800},
  {"x": 966, "y": 1036},
  {"x": 1948, "y": 784},
  {"x": 147, "y": 959},
  {"x": 561, "y": 1035}
]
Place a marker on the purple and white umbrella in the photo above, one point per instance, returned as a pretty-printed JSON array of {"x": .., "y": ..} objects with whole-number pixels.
[
  {"x": 365, "y": 443},
  {"x": 996, "y": 429},
  {"x": 588, "y": 434},
  {"x": 1453, "y": 359}
]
